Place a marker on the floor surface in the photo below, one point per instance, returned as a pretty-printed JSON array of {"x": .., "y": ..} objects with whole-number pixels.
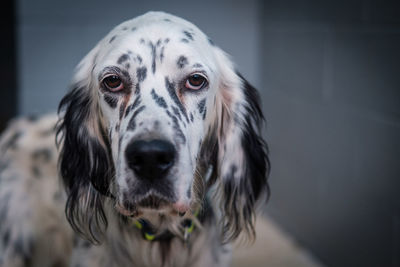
[{"x": 272, "y": 248}]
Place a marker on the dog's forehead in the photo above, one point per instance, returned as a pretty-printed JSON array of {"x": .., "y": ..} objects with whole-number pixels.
[
  {"x": 155, "y": 32},
  {"x": 156, "y": 23}
]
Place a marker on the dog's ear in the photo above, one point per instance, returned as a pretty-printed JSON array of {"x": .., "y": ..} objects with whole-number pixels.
[
  {"x": 84, "y": 163},
  {"x": 242, "y": 155}
]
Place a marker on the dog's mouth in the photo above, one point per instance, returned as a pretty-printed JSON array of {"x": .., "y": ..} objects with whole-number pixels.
[
  {"x": 148, "y": 203},
  {"x": 153, "y": 202}
]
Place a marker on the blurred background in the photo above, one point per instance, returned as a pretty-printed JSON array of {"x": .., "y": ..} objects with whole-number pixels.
[{"x": 329, "y": 76}]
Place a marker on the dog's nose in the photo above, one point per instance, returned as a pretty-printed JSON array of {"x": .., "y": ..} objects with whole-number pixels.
[{"x": 150, "y": 159}]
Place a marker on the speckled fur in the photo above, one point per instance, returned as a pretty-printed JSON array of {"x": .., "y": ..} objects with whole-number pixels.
[{"x": 221, "y": 169}]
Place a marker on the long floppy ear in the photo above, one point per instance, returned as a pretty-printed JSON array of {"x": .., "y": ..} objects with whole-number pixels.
[
  {"x": 84, "y": 164},
  {"x": 242, "y": 161}
]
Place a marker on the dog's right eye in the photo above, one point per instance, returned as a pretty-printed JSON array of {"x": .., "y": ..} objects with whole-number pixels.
[{"x": 113, "y": 83}]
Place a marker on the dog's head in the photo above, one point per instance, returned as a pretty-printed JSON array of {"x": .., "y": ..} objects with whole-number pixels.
[{"x": 156, "y": 108}]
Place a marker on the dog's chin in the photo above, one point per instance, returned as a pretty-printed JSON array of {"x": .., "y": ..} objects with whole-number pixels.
[
  {"x": 148, "y": 204},
  {"x": 153, "y": 202}
]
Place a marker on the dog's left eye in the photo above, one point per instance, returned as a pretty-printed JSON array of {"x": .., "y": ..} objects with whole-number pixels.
[{"x": 195, "y": 82}]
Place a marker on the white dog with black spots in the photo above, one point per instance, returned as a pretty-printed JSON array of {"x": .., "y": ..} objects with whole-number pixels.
[{"x": 159, "y": 153}]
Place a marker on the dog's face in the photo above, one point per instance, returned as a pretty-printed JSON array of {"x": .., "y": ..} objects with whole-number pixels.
[
  {"x": 153, "y": 82},
  {"x": 156, "y": 106}
]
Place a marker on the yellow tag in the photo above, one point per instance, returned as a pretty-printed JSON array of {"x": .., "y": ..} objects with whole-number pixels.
[
  {"x": 138, "y": 225},
  {"x": 149, "y": 236}
]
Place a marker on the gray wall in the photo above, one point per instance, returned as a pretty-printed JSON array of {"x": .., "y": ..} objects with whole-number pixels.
[
  {"x": 54, "y": 35},
  {"x": 332, "y": 100}
]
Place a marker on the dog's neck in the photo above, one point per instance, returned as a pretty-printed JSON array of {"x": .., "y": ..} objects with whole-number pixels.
[
  {"x": 129, "y": 244},
  {"x": 163, "y": 232}
]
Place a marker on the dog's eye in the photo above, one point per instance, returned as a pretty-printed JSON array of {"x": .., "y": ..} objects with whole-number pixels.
[
  {"x": 195, "y": 82},
  {"x": 113, "y": 83}
]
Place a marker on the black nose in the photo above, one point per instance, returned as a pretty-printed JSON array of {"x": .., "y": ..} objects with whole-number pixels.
[{"x": 150, "y": 159}]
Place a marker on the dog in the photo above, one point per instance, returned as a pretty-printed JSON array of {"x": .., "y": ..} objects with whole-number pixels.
[{"x": 159, "y": 151}]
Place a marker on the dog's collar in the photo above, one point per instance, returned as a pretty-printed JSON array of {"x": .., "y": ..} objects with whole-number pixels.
[{"x": 148, "y": 232}]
